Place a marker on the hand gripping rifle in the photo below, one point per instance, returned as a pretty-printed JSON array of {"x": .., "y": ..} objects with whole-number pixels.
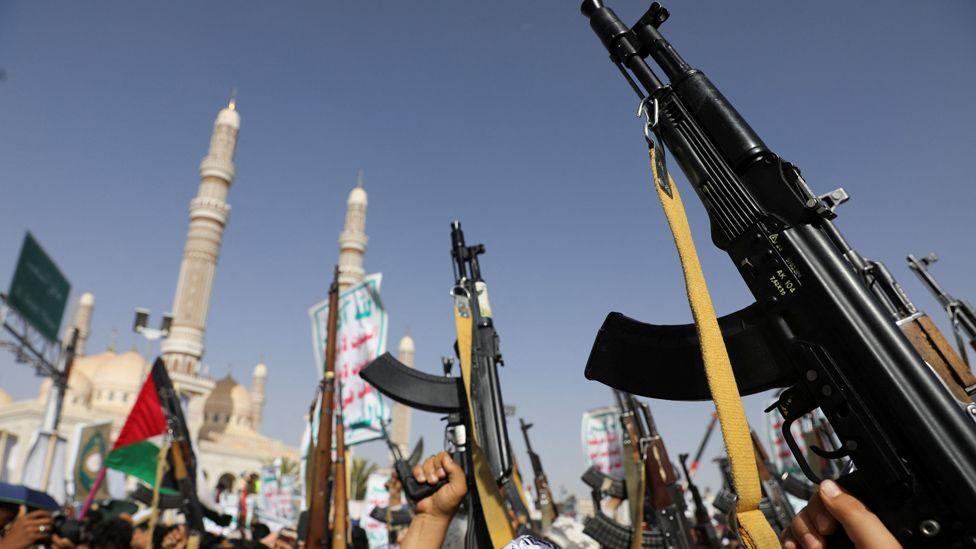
[
  {"x": 543, "y": 494},
  {"x": 815, "y": 328},
  {"x": 961, "y": 313},
  {"x": 473, "y": 401}
]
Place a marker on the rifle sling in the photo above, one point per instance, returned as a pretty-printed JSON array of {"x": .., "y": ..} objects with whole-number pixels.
[
  {"x": 754, "y": 530},
  {"x": 492, "y": 501}
]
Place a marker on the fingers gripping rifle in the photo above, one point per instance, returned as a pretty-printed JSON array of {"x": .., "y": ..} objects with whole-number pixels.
[
  {"x": 473, "y": 401},
  {"x": 816, "y": 328}
]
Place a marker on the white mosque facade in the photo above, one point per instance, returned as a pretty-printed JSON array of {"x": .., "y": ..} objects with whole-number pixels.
[{"x": 223, "y": 416}]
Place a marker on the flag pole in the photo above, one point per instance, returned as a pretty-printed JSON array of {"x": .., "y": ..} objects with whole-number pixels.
[
  {"x": 154, "y": 506},
  {"x": 90, "y": 498}
]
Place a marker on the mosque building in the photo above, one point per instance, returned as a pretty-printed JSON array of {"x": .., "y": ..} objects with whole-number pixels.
[{"x": 223, "y": 416}]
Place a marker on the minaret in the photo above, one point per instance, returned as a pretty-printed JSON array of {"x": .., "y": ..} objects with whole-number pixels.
[
  {"x": 400, "y": 419},
  {"x": 183, "y": 348},
  {"x": 352, "y": 239},
  {"x": 258, "y": 380},
  {"x": 83, "y": 316}
]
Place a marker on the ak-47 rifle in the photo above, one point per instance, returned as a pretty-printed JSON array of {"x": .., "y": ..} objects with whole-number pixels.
[
  {"x": 476, "y": 429},
  {"x": 340, "y": 494},
  {"x": 318, "y": 511},
  {"x": 543, "y": 494},
  {"x": 181, "y": 457},
  {"x": 781, "y": 511},
  {"x": 657, "y": 502},
  {"x": 815, "y": 328},
  {"x": 704, "y": 528},
  {"x": 636, "y": 482},
  {"x": 961, "y": 313},
  {"x": 664, "y": 493}
]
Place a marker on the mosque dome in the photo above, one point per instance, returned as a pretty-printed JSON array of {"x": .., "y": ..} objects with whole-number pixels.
[
  {"x": 118, "y": 379},
  {"x": 406, "y": 345},
  {"x": 79, "y": 390},
  {"x": 5, "y": 398},
  {"x": 260, "y": 370},
  {"x": 124, "y": 370},
  {"x": 86, "y": 299},
  {"x": 228, "y": 407}
]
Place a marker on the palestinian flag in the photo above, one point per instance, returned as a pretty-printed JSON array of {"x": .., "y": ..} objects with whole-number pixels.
[{"x": 136, "y": 450}]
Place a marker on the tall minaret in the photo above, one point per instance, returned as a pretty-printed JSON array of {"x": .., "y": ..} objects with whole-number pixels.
[
  {"x": 83, "y": 316},
  {"x": 258, "y": 380},
  {"x": 183, "y": 348},
  {"x": 352, "y": 239},
  {"x": 400, "y": 419}
]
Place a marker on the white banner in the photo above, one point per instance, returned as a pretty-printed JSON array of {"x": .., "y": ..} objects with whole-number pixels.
[
  {"x": 376, "y": 496},
  {"x": 361, "y": 338},
  {"x": 277, "y": 498},
  {"x": 36, "y": 463},
  {"x": 603, "y": 441}
]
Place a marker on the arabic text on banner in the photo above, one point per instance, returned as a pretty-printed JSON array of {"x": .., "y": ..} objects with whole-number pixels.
[
  {"x": 361, "y": 338},
  {"x": 603, "y": 441}
]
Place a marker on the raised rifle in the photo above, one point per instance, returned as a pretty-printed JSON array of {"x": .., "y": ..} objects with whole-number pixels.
[
  {"x": 664, "y": 493},
  {"x": 473, "y": 402},
  {"x": 636, "y": 485},
  {"x": 340, "y": 493},
  {"x": 543, "y": 494},
  {"x": 781, "y": 512},
  {"x": 704, "y": 528},
  {"x": 604, "y": 484},
  {"x": 815, "y": 328},
  {"x": 318, "y": 511},
  {"x": 961, "y": 313}
]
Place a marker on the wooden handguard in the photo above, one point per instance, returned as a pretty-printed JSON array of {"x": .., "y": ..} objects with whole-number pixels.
[{"x": 941, "y": 357}]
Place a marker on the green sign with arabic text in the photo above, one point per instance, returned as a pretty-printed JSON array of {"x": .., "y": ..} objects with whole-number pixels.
[{"x": 39, "y": 290}]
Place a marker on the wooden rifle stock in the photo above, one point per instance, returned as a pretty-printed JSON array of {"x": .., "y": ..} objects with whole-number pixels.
[
  {"x": 340, "y": 499},
  {"x": 318, "y": 512}
]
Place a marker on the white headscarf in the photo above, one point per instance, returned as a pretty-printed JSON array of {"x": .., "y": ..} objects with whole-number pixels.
[{"x": 528, "y": 542}]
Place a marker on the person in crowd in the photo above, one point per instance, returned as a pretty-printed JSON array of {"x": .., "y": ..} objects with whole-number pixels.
[
  {"x": 20, "y": 529},
  {"x": 830, "y": 509},
  {"x": 114, "y": 533},
  {"x": 259, "y": 530}
]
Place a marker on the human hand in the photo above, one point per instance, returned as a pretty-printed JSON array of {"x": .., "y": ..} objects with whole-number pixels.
[
  {"x": 175, "y": 538},
  {"x": 443, "y": 503},
  {"x": 27, "y": 529},
  {"x": 832, "y": 506},
  {"x": 57, "y": 542}
]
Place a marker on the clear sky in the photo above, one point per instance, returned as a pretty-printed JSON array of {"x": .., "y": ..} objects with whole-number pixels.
[{"x": 506, "y": 115}]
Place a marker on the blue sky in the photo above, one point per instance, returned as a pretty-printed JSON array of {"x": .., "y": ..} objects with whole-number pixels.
[{"x": 505, "y": 115}]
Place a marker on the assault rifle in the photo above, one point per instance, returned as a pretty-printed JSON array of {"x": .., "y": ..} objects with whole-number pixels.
[
  {"x": 815, "y": 328},
  {"x": 604, "y": 484},
  {"x": 543, "y": 494},
  {"x": 659, "y": 499},
  {"x": 704, "y": 529},
  {"x": 476, "y": 427},
  {"x": 961, "y": 313}
]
